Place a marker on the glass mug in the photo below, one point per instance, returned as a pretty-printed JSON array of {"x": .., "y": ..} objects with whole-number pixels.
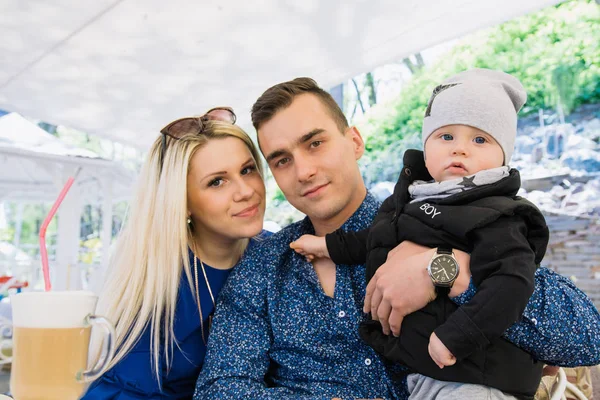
[{"x": 50, "y": 344}]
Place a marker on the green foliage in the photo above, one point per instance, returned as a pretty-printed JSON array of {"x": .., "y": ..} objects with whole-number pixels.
[
  {"x": 565, "y": 79},
  {"x": 278, "y": 196},
  {"x": 7, "y": 235},
  {"x": 33, "y": 217},
  {"x": 554, "y": 52},
  {"x": 385, "y": 165}
]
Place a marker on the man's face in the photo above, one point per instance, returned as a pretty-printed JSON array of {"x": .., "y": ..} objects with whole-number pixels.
[{"x": 314, "y": 163}]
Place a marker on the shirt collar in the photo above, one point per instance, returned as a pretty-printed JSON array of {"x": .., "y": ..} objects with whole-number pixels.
[{"x": 360, "y": 220}]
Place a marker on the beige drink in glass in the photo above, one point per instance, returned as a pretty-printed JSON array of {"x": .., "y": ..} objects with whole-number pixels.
[{"x": 51, "y": 337}]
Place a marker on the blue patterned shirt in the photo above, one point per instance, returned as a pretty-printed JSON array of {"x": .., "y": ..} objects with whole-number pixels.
[
  {"x": 560, "y": 325},
  {"x": 276, "y": 335}
]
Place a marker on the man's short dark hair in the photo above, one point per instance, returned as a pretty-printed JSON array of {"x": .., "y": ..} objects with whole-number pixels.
[{"x": 283, "y": 94}]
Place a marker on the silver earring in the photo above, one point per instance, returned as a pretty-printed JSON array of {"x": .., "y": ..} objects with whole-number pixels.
[{"x": 189, "y": 220}]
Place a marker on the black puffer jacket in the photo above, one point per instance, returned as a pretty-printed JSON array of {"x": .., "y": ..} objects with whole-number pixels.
[{"x": 507, "y": 238}]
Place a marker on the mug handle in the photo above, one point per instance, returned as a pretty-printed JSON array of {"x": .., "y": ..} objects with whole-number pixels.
[{"x": 108, "y": 349}]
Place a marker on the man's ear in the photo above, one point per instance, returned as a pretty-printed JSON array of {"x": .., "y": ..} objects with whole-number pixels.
[{"x": 357, "y": 141}]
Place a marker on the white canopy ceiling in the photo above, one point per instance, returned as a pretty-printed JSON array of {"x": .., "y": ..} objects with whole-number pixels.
[{"x": 124, "y": 68}]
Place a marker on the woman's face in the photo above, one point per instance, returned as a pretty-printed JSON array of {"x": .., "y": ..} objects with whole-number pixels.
[{"x": 225, "y": 192}]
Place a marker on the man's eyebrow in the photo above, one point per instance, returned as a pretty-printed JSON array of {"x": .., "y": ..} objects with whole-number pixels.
[
  {"x": 305, "y": 138},
  {"x": 274, "y": 154},
  {"x": 310, "y": 135}
]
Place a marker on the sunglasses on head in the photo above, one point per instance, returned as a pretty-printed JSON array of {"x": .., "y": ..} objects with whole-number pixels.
[{"x": 194, "y": 125}]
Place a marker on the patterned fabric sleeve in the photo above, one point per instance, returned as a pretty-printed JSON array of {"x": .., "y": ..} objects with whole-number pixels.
[
  {"x": 560, "y": 324},
  {"x": 237, "y": 360}
]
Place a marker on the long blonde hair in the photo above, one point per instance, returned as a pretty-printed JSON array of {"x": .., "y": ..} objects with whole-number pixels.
[{"x": 145, "y": 268}]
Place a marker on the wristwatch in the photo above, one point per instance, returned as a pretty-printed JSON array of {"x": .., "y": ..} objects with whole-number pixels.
[{"x": 443, "y": 270}]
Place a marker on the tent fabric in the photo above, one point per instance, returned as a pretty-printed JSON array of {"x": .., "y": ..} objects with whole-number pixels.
[{"x": 122, "y": 69}]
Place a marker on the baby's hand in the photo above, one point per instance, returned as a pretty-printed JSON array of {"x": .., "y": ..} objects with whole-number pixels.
[
  {"x": 311, "y": 247},
  {"x": 439, "y": 352}
]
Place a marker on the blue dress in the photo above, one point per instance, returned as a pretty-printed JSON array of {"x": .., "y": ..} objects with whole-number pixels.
[{"x": 132, "y": 378}]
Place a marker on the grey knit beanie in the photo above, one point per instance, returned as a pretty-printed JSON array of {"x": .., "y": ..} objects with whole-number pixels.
[{"x": 482, "y": 98}]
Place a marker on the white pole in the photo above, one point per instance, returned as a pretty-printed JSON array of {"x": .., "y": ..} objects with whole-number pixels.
[
  {"x": 18, "y": 224},
  {"x": 67, "y": 275},
  {"x": 107, "y": 217}
]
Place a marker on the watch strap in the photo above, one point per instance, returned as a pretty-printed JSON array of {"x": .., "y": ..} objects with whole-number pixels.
[
  {"x": 444, "y": 250},
  {"x": 442, "y": 290}
]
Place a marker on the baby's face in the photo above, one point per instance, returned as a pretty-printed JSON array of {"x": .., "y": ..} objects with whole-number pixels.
[{"x": 454, "y": 151}]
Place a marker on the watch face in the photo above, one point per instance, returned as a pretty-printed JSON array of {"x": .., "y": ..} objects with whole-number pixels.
[{"x": 443, "y": 268}]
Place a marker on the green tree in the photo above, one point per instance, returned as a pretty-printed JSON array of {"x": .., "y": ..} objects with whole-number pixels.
[{"x": 554, "y": 52}]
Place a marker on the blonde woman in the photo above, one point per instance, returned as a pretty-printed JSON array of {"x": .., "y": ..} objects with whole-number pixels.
[{"x": 200, "y": 203}]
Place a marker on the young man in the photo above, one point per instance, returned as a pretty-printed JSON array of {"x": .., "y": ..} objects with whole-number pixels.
[{"x": 286, "y": 328}]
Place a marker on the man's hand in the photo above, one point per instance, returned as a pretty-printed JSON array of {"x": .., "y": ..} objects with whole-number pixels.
[
  {"x": 439, "y": 352},
  {"x": 400, "y": 286}
]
